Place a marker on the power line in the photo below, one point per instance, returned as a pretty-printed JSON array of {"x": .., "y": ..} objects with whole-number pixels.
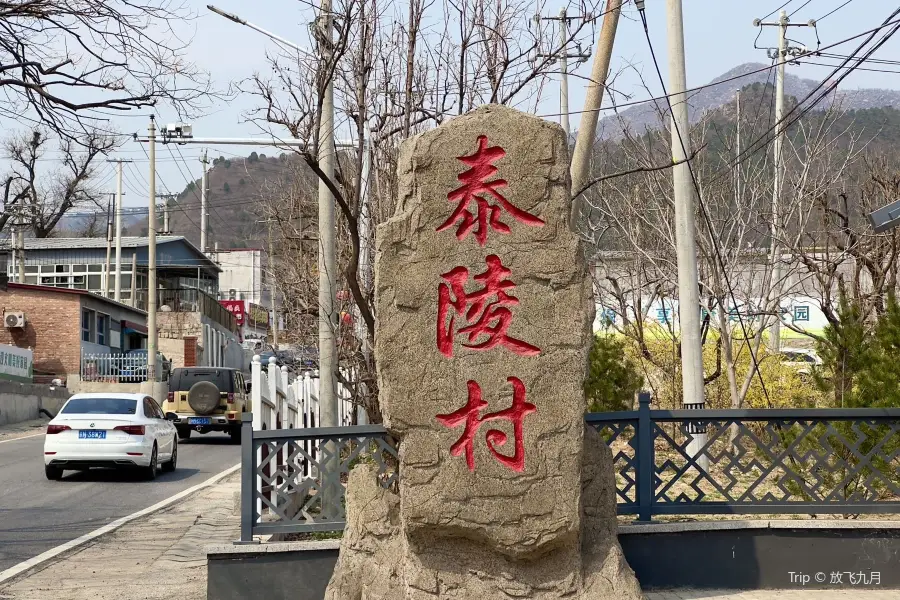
[
  {"x": 753, "y": 148},
  {"x": 828, "y": 14},
  {"x": 729, "y": 79},
  {"x": 802, "y": 6},
  {"x": 702, "y": 205},
  {"x": 776, "y": 10}
]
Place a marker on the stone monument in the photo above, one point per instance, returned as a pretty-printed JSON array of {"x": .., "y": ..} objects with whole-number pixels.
[{"x": 485, "y": 309}]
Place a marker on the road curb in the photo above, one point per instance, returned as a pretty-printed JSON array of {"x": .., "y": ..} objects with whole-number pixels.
[{"x": 31, "y": 563}]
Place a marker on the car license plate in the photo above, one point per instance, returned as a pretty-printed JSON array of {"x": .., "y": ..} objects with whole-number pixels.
[
  {"x": 91, "y": 435},
  {"x": 199, "y": 420}
]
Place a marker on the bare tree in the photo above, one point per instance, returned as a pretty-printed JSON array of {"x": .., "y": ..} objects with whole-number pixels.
[
  {"x": 43, "y": 197},
  {"x": 395, "y": 76},
  {"x": 64, "y": 62}
]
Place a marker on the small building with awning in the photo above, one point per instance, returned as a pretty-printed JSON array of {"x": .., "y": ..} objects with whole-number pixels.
[{"x": 60, "y": 325}]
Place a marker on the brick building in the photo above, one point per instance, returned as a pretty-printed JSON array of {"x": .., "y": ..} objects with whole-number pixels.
[{"x": 62, "y": 323}]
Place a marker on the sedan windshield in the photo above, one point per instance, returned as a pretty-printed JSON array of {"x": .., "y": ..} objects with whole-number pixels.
[{"x": 100, "y": 406}]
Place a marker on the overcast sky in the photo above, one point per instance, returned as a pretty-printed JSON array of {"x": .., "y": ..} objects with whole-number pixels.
[{"x": 719, "y": 35}]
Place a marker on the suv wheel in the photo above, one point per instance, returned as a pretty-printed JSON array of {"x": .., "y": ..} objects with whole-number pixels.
[
  {"x": 53, "y": 473},
  {"x": 183, "y": 433}
]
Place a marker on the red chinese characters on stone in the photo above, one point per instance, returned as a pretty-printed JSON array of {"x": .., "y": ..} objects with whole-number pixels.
[
  {"x": 468, "y": 415},
  {"x": 476, "y": 187},
  {"x": 484, "y": 310}
]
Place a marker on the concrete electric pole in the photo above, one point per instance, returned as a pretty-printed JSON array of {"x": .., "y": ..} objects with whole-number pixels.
[
  {"x": 563, "y": 57},
  {"x": 151, "y": 258},
  {"x": 686, "y": 247},
  {"x": 587, "y": 128},
  {"x": 119, "y": 194},
  {"x": 781, "y": 54},
  {"x": 328, "y": 400},
  {"x": 775, "y": 332},
  {"x": 109, "y": 240},
  {"x": 204, "y": 210},
  {"x": 737, "y": 148}
]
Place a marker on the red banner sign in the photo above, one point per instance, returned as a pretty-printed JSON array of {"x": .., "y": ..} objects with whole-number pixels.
[{"x": 235, "y": 307}]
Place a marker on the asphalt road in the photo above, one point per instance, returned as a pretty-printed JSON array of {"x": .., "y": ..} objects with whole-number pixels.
[{"x": 37, "y": 515}]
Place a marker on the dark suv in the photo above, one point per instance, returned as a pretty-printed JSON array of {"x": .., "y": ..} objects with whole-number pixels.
[{"x": 205, "y": 399}]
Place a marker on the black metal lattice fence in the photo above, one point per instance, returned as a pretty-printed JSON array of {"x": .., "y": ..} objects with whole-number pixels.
[{"x": 802, "y": 461}]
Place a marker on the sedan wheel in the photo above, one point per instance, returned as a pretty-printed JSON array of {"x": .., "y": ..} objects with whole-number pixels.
[
  {"x": 151, "y": 471},
  {"x": 173, "y": 462}
]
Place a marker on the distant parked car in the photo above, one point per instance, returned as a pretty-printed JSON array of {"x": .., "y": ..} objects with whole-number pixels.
[
  {"x": 803, "y": 360},
  {"x": 137, "y": 372},
  {"x": 110, "y": 430}
]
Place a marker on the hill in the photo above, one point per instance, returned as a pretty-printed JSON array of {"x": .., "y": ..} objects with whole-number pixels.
[
  {"x": 647, "y": 115},
  {"x": 240, "y": 191}
]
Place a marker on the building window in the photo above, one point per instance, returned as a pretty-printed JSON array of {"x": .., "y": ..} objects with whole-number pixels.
[
  {"x": 95, "y": 282},
  {"x": 801, "y": 313},
  {"x": 86, "y": 318},
  {"x": 62, "y": 268},
  {"x": 79, "y": 282},
  {"x": 102, "y": 329},
  {"x": 95, "y": 268}
]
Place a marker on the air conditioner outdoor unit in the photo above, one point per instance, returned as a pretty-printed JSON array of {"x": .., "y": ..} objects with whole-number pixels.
[{"x": 14, "y": 319}]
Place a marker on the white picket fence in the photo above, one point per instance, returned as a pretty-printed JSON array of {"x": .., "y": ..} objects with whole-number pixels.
[{"x": 281, "y": 400}]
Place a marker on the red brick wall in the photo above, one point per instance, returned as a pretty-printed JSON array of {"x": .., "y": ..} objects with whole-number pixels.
[
  {"x": 52, "y": 328},
  {"x": 190, "y": 352}
]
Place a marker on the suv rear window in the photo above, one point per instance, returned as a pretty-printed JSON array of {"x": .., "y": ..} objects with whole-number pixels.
[{"x": 183, "y": 379}]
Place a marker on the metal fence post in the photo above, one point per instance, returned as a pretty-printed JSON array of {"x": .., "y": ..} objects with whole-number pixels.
[
  {"x": 248, "y": 478},
  {"x": 645, "y": 458}
]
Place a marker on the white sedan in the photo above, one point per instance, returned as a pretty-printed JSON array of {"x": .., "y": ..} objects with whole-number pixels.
[{"x": 110, "y": 430}]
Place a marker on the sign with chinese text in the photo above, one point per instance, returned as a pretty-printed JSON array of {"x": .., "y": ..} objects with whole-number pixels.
[
  {"x": 485, "y": 310},
  {"x": 235, "y": 307},
  {"x": 16, "y": 364}
]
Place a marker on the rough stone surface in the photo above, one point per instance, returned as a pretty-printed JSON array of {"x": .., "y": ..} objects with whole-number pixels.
[
  {"x": 440, "y": 495},
  {"x": 513, "y": 513}
]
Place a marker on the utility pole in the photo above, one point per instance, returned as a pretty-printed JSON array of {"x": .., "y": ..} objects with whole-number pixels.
[
  {"x": 20, "y": 243},
  {"x": 737, "y": 148},
  {"x": 270, "y": 271},
  {"x": 564, "y": 74},
  {"x": 563, "y": 56},
  {"x": 204, "y": 211},
  {"x": 587, "y": 128},
  {"x": 781, "y": 54},
  {"x": 274, "y": 291},
  {"x": 328, "y": 400},
  {"x": 686, "y": 247},
  {"x": 118, "y": 285},
  {"x": 775, "y": 332},
  {"x": 109, "y": 237},
  {"x": 151, "y": 258},
  {"x": 133, "y": 279}
]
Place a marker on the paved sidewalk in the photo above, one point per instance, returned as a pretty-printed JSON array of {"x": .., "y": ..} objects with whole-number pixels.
[
  {"x": 160, "y": 557},
  {"x": 793, "y": 594},
  {"x": 23, "y": 429}
]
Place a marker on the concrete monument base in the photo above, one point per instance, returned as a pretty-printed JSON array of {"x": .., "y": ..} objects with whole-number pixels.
[{"x": 379, "y": 561}]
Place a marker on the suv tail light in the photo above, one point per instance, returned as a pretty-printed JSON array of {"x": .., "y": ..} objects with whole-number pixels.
[
  {"x": 51, "y": 429},
  {"x": 170, "y": 396},
  {"x": 230, "y": 397},
  {"x": 131, "y": 429}
]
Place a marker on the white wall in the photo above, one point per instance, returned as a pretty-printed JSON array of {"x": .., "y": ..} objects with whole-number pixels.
[{"x": 242, "y": 270}]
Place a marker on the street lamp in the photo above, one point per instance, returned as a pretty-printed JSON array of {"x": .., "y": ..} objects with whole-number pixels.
[{"x": 886, "y": 217}]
